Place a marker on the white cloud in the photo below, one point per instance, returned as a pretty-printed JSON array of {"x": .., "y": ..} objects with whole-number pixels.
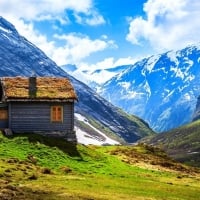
[
  {"x": 104, "y": 64},
  {"x": 104, "y": 75},
  {"x": 33, "y": 10},
  {"x": 77, "y": 47},
  {"x": 92, "y": 18},
  {"x": 107, "y": 63},
  {"x": 40, "y": 10},
  {"x": 169, "y": 24},
  {"x": 125, "y": 61}
]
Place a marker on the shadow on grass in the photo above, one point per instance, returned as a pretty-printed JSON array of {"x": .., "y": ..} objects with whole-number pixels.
[{"x": 69, "y": 148}]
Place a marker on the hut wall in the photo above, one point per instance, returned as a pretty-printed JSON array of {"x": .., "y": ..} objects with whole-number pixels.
[{"x": 29, "y": 117}]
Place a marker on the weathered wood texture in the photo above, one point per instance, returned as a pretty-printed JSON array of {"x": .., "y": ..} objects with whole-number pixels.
[{"x": 28, "y": 117}]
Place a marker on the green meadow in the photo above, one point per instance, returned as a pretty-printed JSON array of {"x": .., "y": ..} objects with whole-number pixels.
[{"x": 34, "y": 167}]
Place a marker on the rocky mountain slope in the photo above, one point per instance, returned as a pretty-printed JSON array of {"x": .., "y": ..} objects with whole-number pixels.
[
  {"x": 161, "y": 89},
  {"x": 19, "y": 57}
]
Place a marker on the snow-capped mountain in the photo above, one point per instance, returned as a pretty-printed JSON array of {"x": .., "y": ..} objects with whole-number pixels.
[
  {"x": 93, "y": 78},
  {"x": 161, "y": 89},
  {"x": 19, "y": 57}
]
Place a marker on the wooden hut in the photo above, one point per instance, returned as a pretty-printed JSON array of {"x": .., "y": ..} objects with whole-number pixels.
[{"x": 37, "y": 104}]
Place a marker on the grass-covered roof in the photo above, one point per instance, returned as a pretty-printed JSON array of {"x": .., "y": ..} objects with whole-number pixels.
[{"x": 37, "y": 88}]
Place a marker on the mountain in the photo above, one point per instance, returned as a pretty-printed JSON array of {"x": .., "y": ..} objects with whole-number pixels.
[
  {"x": 182, "y": 144},
  {"x": 93, "y": 78},
  {"x": 95, "y": 117},
  {"x": 161, "y": 89}
]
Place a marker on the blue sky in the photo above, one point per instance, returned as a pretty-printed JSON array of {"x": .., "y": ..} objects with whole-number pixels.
[{"x": 97, "y": 34}]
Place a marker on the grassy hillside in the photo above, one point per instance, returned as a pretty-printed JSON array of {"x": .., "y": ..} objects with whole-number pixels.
[
  {"x": 34, "y": 167},
  {"x": 183, "y": 143}
]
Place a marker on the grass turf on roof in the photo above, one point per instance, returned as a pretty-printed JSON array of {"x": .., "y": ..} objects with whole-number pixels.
[{"x": 45, "y": 88}]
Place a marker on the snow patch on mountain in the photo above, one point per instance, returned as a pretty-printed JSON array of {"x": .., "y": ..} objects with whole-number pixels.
[
  {"x": 5, "y": 30},
  {"x": 125, "y": 85},
  {"x": 173, "y": 57},
  {"x": 86, "y": 138},
  {"x": 151, "y": 62}
]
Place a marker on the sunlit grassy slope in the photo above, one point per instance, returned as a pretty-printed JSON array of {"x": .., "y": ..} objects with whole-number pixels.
[{"x": 36, "y": 167}]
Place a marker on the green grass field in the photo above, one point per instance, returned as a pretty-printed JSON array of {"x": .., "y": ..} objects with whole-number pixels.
[{"x": 34, "y": 167}]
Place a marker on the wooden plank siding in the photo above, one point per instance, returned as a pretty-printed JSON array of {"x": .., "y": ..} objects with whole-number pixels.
[{"x": 29, "y": 116}]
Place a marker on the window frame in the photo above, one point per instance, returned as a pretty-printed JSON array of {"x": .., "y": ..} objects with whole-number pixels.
[{"x": 57, "y": 114}]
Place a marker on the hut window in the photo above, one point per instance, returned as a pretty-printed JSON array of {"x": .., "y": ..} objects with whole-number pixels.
[
  {"x": 3, "y": 114},
  {"x": 56, "y": 114}
]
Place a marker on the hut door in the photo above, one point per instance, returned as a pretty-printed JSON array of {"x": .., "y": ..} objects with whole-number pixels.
[{"x": 4, "y": 117}]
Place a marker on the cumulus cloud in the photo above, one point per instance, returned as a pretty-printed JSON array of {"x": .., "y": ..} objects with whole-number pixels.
[
  {"x": 104, "y": 64},
  {"x": 107, "y": 63},
  {"x": 78, "y": 47},
  {"x": 168, "y": 24},
  {"x": 92, "y": 18},
  {"x": 39, "y": 10}
]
